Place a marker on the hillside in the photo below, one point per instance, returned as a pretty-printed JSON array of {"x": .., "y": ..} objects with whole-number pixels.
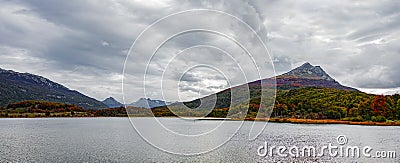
[
  {"x": 305, "y": 92},
  {"x": 304, "y": 76},
  {"x": 15, "y": 87},
  {"x": 316, "y": 103}
]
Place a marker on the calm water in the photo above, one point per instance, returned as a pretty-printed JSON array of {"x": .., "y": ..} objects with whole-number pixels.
[{"x": 114, "y": 140}]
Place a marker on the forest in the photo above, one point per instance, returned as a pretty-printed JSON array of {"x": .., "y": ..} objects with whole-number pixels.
[
  {"x": 36, "y": 108},
  {"x": 318, "y": 103},
  {"x": 303, "y": 103},
  {"x": 324, "y": 103}
]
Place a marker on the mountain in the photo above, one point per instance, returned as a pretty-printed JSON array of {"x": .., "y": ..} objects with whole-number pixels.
[
  {"x": 148, "y": 103},
  {"x": 15, "y": 87},
  {"x": 305, "y": 76},
  {"x": 111, "y": 102},
  {"x": 307, "y": 71},
  {"x": 306, "y": 92}
]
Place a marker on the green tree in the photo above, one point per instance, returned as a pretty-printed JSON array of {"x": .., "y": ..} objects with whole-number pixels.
[
  {"x": 354, "y": 112},
  {"x": 397, "y": 110},
  {"x": 365, "y": 109},
  {"x": 47, "y": 113},
  {"x": 333, "y": 114},
  {"x": 378, "y": 119},
  {"x": 390, "y": 108}
]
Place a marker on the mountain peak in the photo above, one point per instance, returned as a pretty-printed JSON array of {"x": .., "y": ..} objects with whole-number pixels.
[
  {"x": 110, "y": 99},
  {"x": 306, "y": 65},
  {"x": 112, "y": 102},
  {"x": 307, "y": 71}
]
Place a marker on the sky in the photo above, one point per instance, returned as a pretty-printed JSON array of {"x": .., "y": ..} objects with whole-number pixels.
[{"x": 84, "y": 44}]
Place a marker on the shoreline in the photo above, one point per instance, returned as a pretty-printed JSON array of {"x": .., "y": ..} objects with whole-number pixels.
[
  {"x": 324, "y": 121},
  {"x": 273, "y": 120}
]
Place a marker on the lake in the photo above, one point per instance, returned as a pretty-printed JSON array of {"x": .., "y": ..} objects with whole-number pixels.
[{"x": 115, "y": 140}]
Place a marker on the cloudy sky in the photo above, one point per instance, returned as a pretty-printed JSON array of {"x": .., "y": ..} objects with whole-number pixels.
[{"x": 84, "y": 44}]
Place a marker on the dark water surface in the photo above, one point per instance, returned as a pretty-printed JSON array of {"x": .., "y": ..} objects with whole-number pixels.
[{"x": 115, "y": 140}]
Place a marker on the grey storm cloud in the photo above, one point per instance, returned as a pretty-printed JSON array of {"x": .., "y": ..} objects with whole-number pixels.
[{"x": 83, "y": 44}]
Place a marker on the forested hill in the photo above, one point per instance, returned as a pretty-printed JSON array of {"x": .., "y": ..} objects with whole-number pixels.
[
  {"x": 304, "y": 76},
  {"x": 15, "y": 87},
  {"x": 304, "y": 92},
  {"x": 326, "y": 103},
  {"x": 319, "y": 103}
]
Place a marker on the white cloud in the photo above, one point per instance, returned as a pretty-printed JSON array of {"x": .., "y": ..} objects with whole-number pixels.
[
  {"x": 82, "y": 44},
  {"x": 380, "y": 91},
  {"x": 105, "y": 43}
]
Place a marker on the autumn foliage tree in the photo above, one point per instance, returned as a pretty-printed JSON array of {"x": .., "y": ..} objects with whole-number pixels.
[
  {"x": 33, "y": 106},
  {"x": 378, "y": 106}
]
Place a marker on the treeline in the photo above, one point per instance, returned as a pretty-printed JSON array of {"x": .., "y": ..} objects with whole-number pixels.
[
  {"x": 324, "y": 103},
  {"x": 304, "y": 103},
  {"x": 41, "y": 106},
  {"x": 318, "y": 103},
  {"x": 34, "y": 108},
  {"x": 111, "y": 112}
]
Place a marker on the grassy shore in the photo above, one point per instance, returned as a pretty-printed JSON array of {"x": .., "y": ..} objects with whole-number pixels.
[
  {"x": 275, "y": 120},
  {"x": 325, "y": 121},
  {"x": 43, "y": 115}
]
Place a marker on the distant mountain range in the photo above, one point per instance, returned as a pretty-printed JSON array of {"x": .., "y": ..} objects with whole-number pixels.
[
  {"x": 148, "y": 103},
  {"x": 140, "y": 103},
  {"x": 15, "y": 87}
]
